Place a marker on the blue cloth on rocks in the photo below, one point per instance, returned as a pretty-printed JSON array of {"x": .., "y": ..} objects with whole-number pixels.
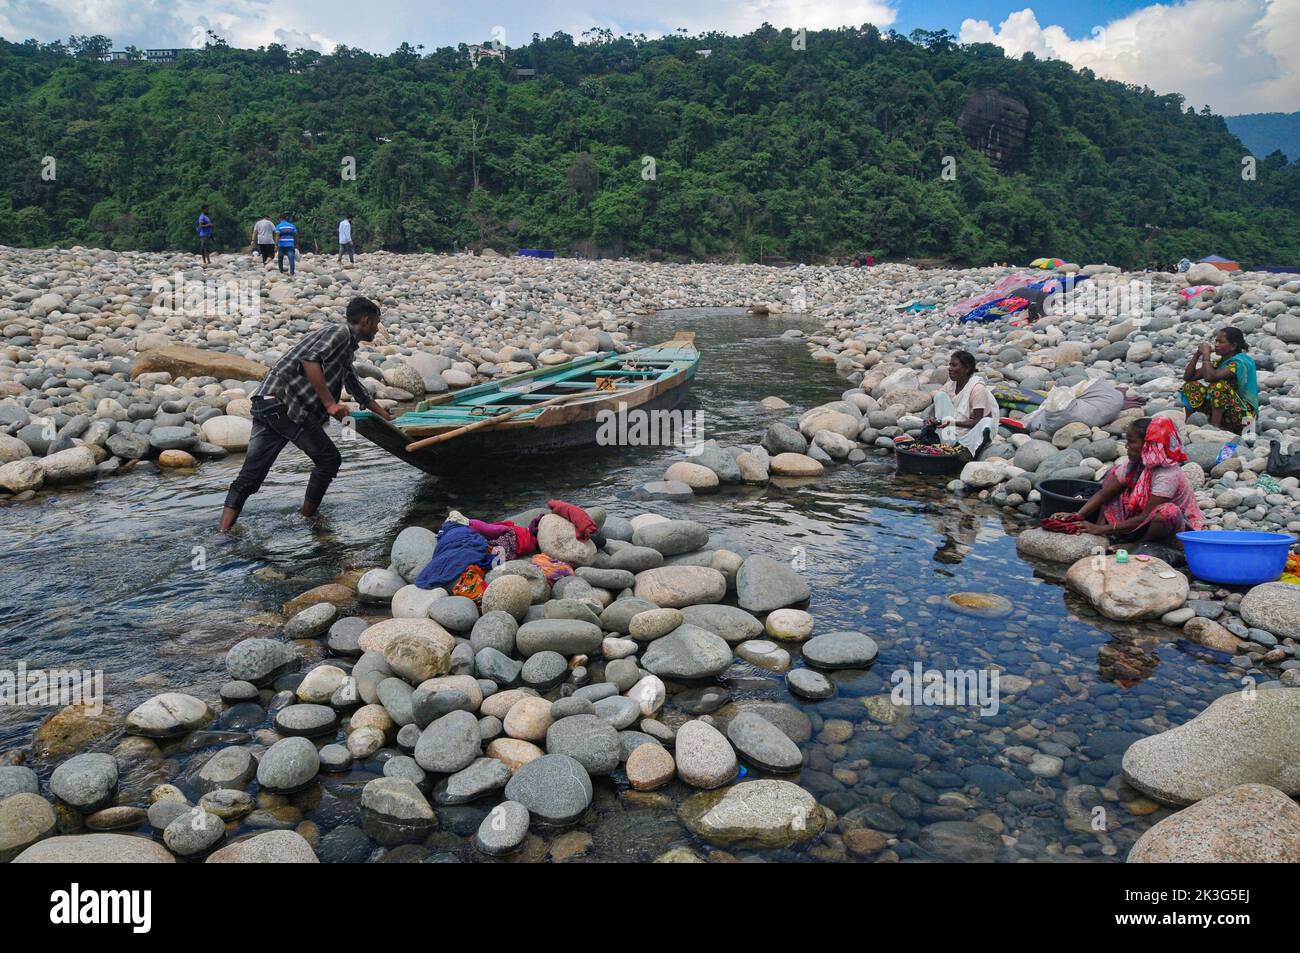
[{"x": 458, "y": 548}]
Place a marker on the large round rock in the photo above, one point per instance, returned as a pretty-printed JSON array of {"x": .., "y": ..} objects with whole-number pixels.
[
  {"x": 450, "y": 743},
  {"x": 588, "y": 739},
  {"x": 705, "y": 757},
  {"x": 764, "y": 813},
  {"x": 259, "y": 661},
  {"x": 687, "y": 652},
  {"x": 412, "y": 551},
  {"x": 510, "y": 594},
  {"x": 1246, "y": 824},
  {"x": 269, "y": 847},
  {"x": 566, "y": 636},
  {"x": 503, "y": 830},
  {"x": 494, "y": 630},
  {"x": 168, "y": 715},
  {"x": 1239, "y": 739},
  {"x": 288, "y": 765},
  {"x": 763, "y": 584},
  {"x": 618, "y": 615},
  {"x": 1273, "y": 607},
  {"x": 96, "y": 849},
  {"x": 193, "y": 833},
  {"x": 672, "y": 537},
  {"x": 734, "y": 625},
  {"x": 454, "y": 613},
  {"x": 554, "y": 788},
  {"x": 85, "y": 782},
  {"x": 230, "y": 768},
  {"x": 25, "y": 818},
  {"x": 309, "y": 721},
  {"x": 16, "y": 779},
  {"x": 673, "y": 587},
  {"x": 764, "y": 744},
  {"x": 395, "y": 812},
  {"x": 840, "y": 650}
]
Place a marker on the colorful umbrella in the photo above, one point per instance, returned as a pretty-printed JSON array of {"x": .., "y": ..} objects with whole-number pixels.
[{"x": 1046, "y": 263}]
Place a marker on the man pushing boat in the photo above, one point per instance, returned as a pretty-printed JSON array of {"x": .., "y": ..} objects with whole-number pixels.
[{"x": 296, "y": 398}]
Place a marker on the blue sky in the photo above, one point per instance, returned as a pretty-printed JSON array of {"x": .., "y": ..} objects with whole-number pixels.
[
  {"x": 1234, "y": 55},
  {"x": 1078, "y": 19}
]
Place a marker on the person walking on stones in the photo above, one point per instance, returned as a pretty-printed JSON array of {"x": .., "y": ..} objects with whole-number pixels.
[
  {"x": 296, "y": 399},
  {"x": 288, "y": 243},
  {"x": 204, "y": 229},
  {"x": 264, "y": 238},
  {"x": 345, "y": 240}
]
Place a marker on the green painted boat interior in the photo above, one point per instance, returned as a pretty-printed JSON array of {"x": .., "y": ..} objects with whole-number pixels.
[{"x": 628, "y": 371}]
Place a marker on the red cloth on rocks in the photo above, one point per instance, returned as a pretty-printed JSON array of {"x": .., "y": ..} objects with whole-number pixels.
[
  {"x": 582, "y": 523},
  {"x": 524, "y": 543},
  {"x": 1069, "y": 524}
]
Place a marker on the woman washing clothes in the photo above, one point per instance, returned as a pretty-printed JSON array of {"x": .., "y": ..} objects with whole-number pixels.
[
  {"x": 1146, "y": 499},
  {"x": 965, "y": 411},
  {"x": 1222, "y": 386}
]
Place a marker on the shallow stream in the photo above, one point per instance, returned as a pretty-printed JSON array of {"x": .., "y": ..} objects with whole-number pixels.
[{"x": 127, "y": 577}]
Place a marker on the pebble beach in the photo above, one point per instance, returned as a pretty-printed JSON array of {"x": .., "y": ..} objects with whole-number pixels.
[{"x": 715, "y": 680}]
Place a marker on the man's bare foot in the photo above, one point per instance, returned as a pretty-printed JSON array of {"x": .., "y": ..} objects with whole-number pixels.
[{"x": 228, "y": 517}]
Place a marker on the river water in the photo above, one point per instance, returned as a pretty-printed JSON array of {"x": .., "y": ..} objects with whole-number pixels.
[{"x": 128, "y": 578}]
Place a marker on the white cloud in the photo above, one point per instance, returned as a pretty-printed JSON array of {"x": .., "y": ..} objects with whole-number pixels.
[
  {"x": 745, "y": 15},
  {"x": 321, "y": 24},
  {"x": 1236, "y": 55},
  {"x": 148, "y": 23}
]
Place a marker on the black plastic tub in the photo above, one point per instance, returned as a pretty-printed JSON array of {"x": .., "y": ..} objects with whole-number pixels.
[
  {"x": 930, "y": 464},
  {"x": 1064, "y": 496}
]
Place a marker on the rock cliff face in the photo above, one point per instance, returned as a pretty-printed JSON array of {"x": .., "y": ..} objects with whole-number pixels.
[{"x": 997, "y": 125}]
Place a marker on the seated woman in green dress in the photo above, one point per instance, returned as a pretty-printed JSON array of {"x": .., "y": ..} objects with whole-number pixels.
[{"x": 1223, "y": 387}]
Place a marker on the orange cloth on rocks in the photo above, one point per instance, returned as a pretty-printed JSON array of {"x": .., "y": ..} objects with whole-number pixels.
[
  {"x": 553, "y": 569},
  {"x": 471, "y": 584}
]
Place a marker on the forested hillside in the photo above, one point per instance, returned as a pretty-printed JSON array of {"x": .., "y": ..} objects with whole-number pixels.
[{"x": 758, "y": 148}]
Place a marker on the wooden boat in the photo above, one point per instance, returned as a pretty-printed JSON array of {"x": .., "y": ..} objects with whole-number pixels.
[{"x": 648, "y": 379}]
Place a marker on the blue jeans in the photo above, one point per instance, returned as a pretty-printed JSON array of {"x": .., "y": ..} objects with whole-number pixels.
[
  {"x": 272, "y": 429},
  {"x": 291, "y": 254}
]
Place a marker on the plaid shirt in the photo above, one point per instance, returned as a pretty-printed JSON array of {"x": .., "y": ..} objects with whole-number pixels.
[{"x": 332, "y": 347}]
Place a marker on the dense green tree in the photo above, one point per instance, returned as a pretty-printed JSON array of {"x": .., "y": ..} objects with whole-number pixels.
[{"x": 846, "y": 142}]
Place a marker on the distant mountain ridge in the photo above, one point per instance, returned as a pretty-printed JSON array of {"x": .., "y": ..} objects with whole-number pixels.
[{"x": 1265, "y": 133}]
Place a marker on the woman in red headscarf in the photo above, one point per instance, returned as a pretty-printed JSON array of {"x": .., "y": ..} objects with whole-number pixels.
[{"x": 1147, "y": 498}]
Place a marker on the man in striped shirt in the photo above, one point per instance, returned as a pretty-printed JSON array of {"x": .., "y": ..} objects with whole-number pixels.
[{"x": 296, "y": 399}]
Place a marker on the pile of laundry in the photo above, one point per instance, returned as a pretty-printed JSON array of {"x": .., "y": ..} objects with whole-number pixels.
[
  {"x": 468, "y": 548},
  {"x": 1011, "y": 295}
]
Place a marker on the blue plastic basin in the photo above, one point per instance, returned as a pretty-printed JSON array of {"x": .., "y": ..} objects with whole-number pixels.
[{"x": 1236, "y": 558}]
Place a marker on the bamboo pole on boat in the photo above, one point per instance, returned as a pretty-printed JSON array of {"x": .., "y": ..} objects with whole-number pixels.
[{"x": 487, "y": 422}]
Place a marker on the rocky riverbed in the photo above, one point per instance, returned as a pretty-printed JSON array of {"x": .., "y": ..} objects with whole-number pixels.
[
  {"x": 680, "y": 697},
  {"x": 875, "y": 780}
]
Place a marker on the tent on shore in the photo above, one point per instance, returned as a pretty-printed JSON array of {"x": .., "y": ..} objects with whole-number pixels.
[{"x": 1221, "y": 263}]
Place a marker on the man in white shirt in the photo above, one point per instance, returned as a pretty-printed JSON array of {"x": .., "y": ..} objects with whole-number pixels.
[
  {"x": 345, "y": 240},
  {"x": 264, "y": 238}
]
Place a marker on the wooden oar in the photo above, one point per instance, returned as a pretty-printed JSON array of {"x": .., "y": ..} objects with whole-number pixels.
[{"x": 487, "y": 422}]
